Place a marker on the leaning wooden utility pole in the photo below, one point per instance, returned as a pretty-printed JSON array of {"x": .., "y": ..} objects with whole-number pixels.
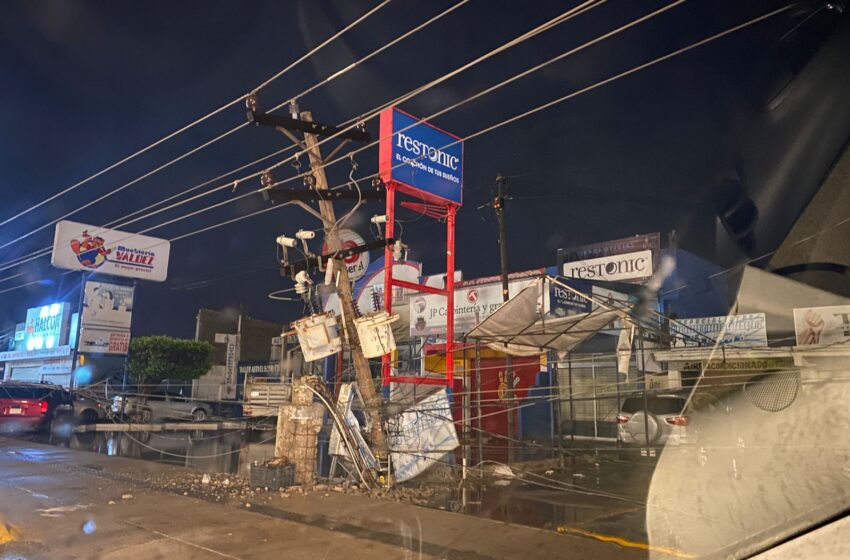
[{"x": 346, "y": 300}]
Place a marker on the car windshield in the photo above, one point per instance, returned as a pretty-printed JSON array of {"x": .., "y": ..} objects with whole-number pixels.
[{"x": 424, "y": 279}]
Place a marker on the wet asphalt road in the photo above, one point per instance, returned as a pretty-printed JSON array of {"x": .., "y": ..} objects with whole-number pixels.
[
  {"x": 597, "y": 489},
  {"x": 56, "y": 504}
]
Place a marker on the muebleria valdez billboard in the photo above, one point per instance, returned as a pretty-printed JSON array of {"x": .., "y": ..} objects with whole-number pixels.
[
  {"x": 107, "y": 251},
  {"x": 419, "y": 158},
  {"x": 631, "y": 260}
]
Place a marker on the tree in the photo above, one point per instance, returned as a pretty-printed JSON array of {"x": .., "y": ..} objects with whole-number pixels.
[{"x": 155, "y": 358}]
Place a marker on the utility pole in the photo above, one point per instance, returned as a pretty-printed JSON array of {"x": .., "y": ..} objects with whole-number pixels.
[
  {"x": 346, "y": 300},
  {"x": 499, "y": 207}
]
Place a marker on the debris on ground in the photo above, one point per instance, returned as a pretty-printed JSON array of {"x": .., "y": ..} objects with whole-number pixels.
[
  {"x": 126, "y": 496},
  {"x": 205, "y": 479},
  {"x": 502, "y": 471}
]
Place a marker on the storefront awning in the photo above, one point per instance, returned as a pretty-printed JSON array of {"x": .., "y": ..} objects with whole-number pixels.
[{"x": 520, "y": 329}]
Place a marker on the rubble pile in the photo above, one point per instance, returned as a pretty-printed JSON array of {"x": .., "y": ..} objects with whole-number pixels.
[{"x": 216, "y": 486}]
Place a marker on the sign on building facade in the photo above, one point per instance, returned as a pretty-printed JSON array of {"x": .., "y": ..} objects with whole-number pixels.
[
  {"x": 474, "y": 301},
  {"x": 822, "y": 325},
  {"x": 46, "y": 326},
  {"x": 356, "y": 264},
  {"x": 742, "y": 331},
  {"x": 631, "y": 260}
]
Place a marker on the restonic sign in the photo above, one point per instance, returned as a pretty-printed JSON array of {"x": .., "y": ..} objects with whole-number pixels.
[
  {"x": 420, "y": 158},
  {"x": 627, "y": 266}
]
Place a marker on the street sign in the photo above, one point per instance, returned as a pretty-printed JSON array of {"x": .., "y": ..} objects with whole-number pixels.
[
  {"x": 107, "y": 251},
  {"x": 231, "y": 357},
  {"x": 420, "y": 158}
]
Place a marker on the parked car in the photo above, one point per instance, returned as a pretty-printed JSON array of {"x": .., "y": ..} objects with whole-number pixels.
[
  {"x": 32, "y": 407},
  {"x": 160, "y": 405},
  {"x": 660, "y": 415}
]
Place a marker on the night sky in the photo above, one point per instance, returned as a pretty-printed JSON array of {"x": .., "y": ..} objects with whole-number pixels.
[{"x": 760, "y": 114}]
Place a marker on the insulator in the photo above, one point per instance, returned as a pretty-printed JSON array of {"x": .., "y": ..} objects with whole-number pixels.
[
  {"x": 376, "y": 299},
  {"x": 251, "y": 101},
  {"x": 266, "y": 179}
]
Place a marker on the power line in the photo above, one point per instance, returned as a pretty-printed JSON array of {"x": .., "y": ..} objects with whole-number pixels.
[
  {"x": 239, "y": 99},
  {"x": 337, "y": 74},
  {"x": 561, "y": 18},
  {"x": 245, "y": 124},
  {"x": 520, "y": 116}
]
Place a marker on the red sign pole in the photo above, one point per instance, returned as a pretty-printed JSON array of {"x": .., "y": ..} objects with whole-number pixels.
[
  {"x": 450, "y": 293},
  {"x": 389, "y": 232}
]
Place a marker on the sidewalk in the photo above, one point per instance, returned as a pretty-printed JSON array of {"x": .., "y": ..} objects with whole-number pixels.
[{"x": 59, "y": 503}]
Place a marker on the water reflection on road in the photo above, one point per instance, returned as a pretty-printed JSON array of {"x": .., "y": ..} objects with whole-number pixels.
[
  {"x": 214, "y": 452},
  {"x": 598, "y": 493}
]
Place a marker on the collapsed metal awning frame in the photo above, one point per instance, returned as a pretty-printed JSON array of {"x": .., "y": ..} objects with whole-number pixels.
[{"x": 520, "y": 326}]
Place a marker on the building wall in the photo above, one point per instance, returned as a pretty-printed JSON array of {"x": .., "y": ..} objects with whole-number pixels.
[{"x": 255, "y": 345}]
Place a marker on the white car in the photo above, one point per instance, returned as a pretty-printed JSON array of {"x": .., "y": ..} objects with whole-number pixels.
[
  {"x": 662, "y": 417},
  {"x": 160, "y": 405}
]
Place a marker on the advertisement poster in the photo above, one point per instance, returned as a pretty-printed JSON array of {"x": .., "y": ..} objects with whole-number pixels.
[
  {"x": 474, "y": 302},
  {"x": 564, "y": 302},
  {"x": 106, "y": 318},
  {"x": 822, "y": 325},
  {"x": 104, "y": 341},
  {"x": 742, "y": 331},
  {"x": 426, "y": 427},
  {"x": 107, "y": 305}
]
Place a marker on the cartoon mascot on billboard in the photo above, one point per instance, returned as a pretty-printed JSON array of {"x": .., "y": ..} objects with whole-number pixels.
[{"x": 90, "y": 251}]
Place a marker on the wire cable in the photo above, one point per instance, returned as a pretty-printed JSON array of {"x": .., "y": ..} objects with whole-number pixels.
[
  {"x": 337, "y": 74},
  {"x": 515, "y": 118},
  {"x": 565, "y": 16},
  {"x": 209, "y": 115}
]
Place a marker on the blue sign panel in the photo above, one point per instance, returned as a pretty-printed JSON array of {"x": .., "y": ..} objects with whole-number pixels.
[
  {"x": 563, "y": 302},
  {"x": 46, "y": 326},
  {"x": 420, "y": 158}
]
